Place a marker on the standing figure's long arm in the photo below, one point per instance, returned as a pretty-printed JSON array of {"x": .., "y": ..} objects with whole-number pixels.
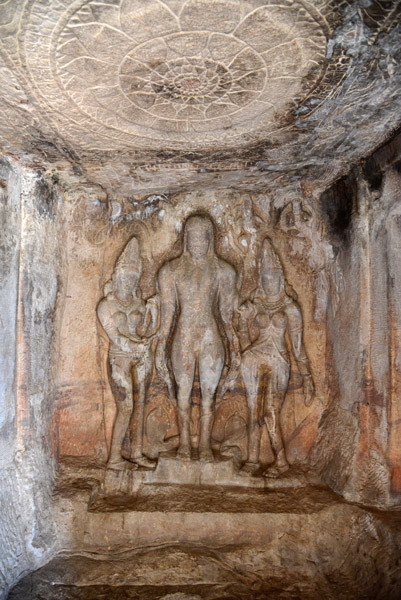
[
  {"x": 168, "y": 302},
  {"x": 295, "y": 331},
  {"x": 168, "y": 308},
  {"x": 245, "y": 324},
  {"x": 228, "y": 304}
]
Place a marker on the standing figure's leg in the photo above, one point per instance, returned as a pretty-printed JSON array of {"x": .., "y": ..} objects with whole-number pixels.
[
  {"x": 278, "y": 384},
  {"x": 121, "y": 385},
  {"x": 211, "y": 363},
  {"x": 251, "y": 369},
  {"x": 183, "y": 362},
  {"x": 141, "y": 375}
]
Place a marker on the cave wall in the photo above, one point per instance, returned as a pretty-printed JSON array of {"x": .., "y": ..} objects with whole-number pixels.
[
  {"x": 339, "y": 251},
  {"x": 364, "y": 338},
  {"x": 29, "y": 291},
  {"x": 273, "y": 119}
]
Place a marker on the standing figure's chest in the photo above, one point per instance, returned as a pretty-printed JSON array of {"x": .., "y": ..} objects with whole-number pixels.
[{"x": 197, "y": 282}]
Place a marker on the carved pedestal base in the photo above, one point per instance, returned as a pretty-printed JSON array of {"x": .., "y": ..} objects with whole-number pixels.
[{"x": 192, "y": 486}]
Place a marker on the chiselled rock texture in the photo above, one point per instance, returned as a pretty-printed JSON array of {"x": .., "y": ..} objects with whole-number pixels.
[
  {"x": 337, "y": 551},
  {"x": 196, "y": 92},
  {"x": 200, "y": 313},
  {"x": 29, "y": 256},
  {"x": 183, "y": 75}
]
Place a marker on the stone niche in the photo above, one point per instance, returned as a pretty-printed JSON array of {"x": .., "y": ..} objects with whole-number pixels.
[
  {"x": 200, "y": 309},
  {"x": 250, "y": 452}
]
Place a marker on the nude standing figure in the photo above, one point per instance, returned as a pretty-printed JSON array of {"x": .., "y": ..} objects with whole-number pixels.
[
  {"x": 264, "y": 324},
  {"x": 194, "y": 288}
]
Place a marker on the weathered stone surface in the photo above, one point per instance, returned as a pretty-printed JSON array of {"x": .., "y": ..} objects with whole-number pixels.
[
  {"x": 158, "y": 239},
  {"x": 348, "y": 440},
  {"x": 240, "y": 556},
  {"x": 166, "y": 96},
  {"x": 200, "y": 318},
  {"x": 29, "y": 289}
]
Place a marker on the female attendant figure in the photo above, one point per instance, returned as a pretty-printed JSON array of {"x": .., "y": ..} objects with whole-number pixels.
[
  {"x": 130, "y": 324},
  {"x": 263, "y": 325}
]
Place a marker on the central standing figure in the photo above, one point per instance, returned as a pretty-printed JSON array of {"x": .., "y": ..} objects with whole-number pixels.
[{"x": 196, "y": 290}]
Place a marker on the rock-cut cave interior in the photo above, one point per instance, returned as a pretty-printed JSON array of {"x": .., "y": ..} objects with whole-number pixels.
[{"x": 200, "y": 308}]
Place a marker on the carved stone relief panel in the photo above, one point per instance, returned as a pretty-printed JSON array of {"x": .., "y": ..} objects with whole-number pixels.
[{"x": 202, "y": 370}]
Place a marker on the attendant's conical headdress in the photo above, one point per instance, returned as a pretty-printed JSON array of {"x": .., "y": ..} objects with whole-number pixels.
[
  {"x": 130, "y": 258},
  {"x": 270, "y": 262},
  {"x": 269, "y": 257}
]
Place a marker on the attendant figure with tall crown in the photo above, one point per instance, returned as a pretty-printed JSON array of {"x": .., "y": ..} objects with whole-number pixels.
[
  {"x": 264, "y": 323},
  {"x": 130, "y": 324}
]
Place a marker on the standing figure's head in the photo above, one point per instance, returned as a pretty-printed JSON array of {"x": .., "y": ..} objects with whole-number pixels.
[
  {"x": 271, "y": 274},
  {"x": 128, "y": 271},
  {"x": 199, "y": 236}
]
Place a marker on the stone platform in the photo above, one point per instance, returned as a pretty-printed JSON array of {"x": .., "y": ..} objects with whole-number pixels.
[{"x": 193, "y": 486}]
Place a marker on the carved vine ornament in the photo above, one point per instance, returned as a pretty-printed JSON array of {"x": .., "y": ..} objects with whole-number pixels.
[{"x": 194, "y": 323}]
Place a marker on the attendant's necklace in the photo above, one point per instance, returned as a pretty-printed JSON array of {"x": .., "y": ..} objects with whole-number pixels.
[
  {"x": 122, "y": 303},
  {"x": 273, "y": 306}
]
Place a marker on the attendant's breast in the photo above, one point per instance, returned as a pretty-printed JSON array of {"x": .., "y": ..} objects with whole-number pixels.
[
  {"x": 134, "y": 318},
  {"x": 278, "y": 321},
  {"x": 120, "y": 320}
]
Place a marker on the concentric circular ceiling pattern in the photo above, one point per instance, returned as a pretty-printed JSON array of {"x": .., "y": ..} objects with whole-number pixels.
[{"x": 173, "y": 74}]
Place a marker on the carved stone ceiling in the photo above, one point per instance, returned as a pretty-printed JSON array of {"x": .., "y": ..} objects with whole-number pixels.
[{"x": 151, "y": 94}]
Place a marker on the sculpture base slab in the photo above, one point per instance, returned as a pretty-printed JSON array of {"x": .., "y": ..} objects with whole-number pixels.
[{"x": 177, "y": 485}]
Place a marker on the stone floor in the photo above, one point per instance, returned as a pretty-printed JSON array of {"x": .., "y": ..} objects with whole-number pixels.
[{"x": 294, "y": 539}]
